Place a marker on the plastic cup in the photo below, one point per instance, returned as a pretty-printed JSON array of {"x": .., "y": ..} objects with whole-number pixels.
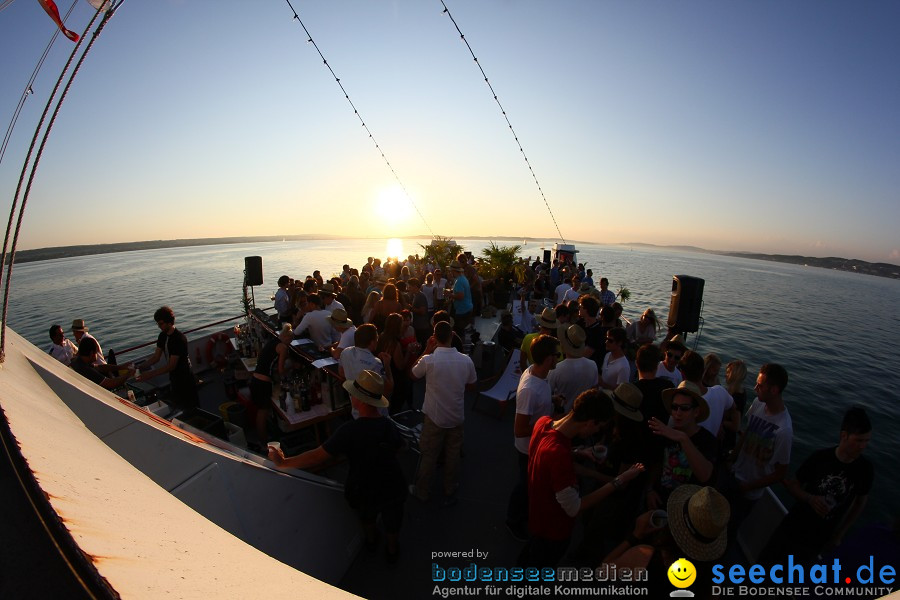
[
  {"x": 659, "y": 519},
  {"x": 274, "y": 445},
  {"x": 599, "y": 452}
]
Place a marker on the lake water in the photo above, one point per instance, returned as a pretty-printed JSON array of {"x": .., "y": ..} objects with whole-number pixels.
[{"x": 832, "y": 330}]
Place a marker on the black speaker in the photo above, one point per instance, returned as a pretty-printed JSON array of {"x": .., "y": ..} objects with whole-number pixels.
[
  {"x": 546, "y": 257},
  {"x": 253, "y": 273},
  {"x": 684, "y": 309}
]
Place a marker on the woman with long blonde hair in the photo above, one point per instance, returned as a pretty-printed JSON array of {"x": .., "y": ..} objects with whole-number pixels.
[{"x": 372, "y": 299}]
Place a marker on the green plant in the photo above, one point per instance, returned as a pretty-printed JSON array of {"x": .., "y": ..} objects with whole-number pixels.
[
  {"x": 624, "y": 294},
  {"x": 500, "y": 262},
  {"x": 441, "y": 251}
]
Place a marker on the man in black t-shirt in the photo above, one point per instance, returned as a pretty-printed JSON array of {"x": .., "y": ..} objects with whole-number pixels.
[
  {"x": 83, "y": 364},
  {"x": 831, "y": 488},
  {"x": 174, "y": 345},
  {"x": 375, "y": 482}
]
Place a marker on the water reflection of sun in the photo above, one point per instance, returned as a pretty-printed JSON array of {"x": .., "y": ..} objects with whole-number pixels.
[{"x": 395, "y": 248}]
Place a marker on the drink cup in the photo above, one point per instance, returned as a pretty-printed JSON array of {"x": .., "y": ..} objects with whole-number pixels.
[
  {"x": 599, "y": 452},
  {"x": 659, "y": 519},
  {"x": 274, "y": 445}
]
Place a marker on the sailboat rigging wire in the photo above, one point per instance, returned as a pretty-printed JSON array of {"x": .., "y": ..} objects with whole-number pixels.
[
  {"x": 37, "y": 159},
  {"x": 505, "y": 116},
  {"x": 309, "y": 39},
  {"x": 28, "y": 91}
]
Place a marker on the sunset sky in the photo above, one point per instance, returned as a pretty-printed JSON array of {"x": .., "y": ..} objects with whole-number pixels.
[{"x": 760, "y": 126}]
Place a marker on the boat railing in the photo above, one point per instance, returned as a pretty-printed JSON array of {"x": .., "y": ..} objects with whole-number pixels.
[{"x": 194, "y": 330}]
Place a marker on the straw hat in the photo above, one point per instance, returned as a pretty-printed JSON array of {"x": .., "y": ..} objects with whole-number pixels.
[
  {"x": 687, "y": 388},
  {"x": 584, "y": 288},
  {"x": 698, "y": 521},
  {"x": 339, "y": 318},
  {"x": 455, "y": 266},
  {"x": 78, "y": 325},
  {"x": 572, "y": 339},
  {"x": 627, "y": 400},
  {"x": 368, "y": 388},
  {"x": 326, "y": 289},
  {"x": 548, "y": 319},
  {"x": 677, "y": 340}
]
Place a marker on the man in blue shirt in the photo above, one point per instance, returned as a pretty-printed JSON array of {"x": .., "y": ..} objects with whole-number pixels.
[
  {"x": 607, "y": 298},
  {"x": 462, "y": 299}
]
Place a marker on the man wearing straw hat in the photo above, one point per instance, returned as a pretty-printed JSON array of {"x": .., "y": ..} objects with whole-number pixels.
[
  {"x": 693, "y": 526},
  {"x": 690, "y": 454},
  {"x": 375, "y": 482},
  {"x": 80, "y": 332},
  {"x": 576, "y": 373},
  {"x": 345, "y": 329},
  {"x": 547, "y": 325}
]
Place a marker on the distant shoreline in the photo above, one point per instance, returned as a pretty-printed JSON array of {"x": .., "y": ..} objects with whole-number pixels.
[{"x": 853, "y": 265}]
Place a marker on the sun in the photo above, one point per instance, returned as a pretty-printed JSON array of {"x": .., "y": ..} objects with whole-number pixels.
[{"x": 393, "y": 206}]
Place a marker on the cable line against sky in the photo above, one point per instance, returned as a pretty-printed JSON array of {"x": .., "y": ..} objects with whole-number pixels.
[
  {"x": 28, "y": 90},
  {"x": 505, "y": 116},
  {"x": 309, "y": 40}
]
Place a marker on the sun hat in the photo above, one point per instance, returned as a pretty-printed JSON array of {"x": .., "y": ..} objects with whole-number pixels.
[
  {"x": 572, "y": 339},
  {"x": 677, "y": 340},
  {"x": 627, "y": 400},
  {"x": 326, "y": 289},
  {"x": 455, "y": 266},
  {"x": 584, "y": 288},
  {"x": 548, "y": 319},
  {"x": 78, "y": 325},
  {"x": 687, "y": 388},
  {"x": 339, "y": 318},
  {"x": 368, "y": 388},
  {"x": 698, "y": 521}
]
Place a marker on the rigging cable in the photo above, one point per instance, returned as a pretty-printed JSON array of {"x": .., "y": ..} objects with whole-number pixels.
[
  {"x": 309, "y": 40},
  {"x": 37, "y": 159},
  {"x": 28, "y": 89},
  {"x": 505, "y": 116}
]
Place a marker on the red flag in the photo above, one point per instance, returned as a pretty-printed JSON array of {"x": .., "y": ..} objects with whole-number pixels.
[{"x": 50, "y": 7}]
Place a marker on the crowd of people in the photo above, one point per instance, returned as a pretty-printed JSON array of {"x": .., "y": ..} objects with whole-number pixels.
[{"x": 617, "y": 425}]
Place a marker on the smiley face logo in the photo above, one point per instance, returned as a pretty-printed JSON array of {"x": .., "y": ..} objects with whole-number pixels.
[{"x": 682, "y": 573}]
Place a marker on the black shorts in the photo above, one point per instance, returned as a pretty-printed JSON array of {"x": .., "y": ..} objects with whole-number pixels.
[{"x": 261, "y": 393}]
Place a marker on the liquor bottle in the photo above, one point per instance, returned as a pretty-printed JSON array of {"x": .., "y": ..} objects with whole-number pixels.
[
  {"x": 304, "y": 396},
  {"x": 282, "y": 397}
]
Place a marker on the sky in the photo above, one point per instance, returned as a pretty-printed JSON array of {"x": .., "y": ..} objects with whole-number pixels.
[{"x": 757, "y": 126}]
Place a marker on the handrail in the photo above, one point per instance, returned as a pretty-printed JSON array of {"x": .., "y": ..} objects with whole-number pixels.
[{"x": 144, "y": 345}]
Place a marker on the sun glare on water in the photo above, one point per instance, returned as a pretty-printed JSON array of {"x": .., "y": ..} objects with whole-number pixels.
[{"x": 395, "y": 248}]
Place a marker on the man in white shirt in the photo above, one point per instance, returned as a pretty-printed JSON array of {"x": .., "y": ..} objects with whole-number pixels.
[
  {"x": 576, "y": 373},
  {"x": 317, "y": 322},
  {"x": 283, "y": 300},
  {"x": 560, "y": 292},
  {"x": 328, "y": 301},
  {"x": 61, "y": 349},
  {"x": 448, "y": 373},
  {"x": 80, "y": 332},
  {"x": 345, "y": 329},
  {"x": 673, "y": 350},
  {"x": 360, "y": 357},
  {"x": 533, "y": 400},
  {"x": 721, "y": 404}
]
